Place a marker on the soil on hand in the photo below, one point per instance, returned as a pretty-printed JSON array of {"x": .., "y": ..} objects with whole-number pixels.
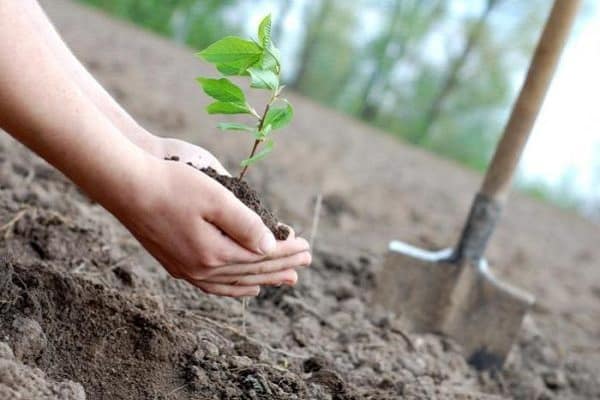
[{"x": 248, "y": 196}]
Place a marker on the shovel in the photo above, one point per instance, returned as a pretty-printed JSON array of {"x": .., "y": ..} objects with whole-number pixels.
[{"x": 453, "y": 292}]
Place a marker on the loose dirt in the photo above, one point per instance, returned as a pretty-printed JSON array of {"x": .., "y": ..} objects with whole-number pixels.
[
  {"x": 86, "y": 313},
  {"x": 247, "y": 195}
]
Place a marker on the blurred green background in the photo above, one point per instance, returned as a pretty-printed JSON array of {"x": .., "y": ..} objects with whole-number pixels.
[{"x": 440, "y": 74}]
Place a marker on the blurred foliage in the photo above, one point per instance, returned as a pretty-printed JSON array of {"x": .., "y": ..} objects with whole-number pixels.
[
  {"x": 194, "y": 22},
  {"x": 561, "y": 196},
  {"x": 428, "y": 72},
  {"x": 438, "y": 73}
]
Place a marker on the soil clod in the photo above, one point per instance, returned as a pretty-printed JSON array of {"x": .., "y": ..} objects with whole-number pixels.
[{"x": 248, "y": 196}]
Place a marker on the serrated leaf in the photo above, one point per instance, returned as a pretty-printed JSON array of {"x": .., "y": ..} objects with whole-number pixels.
[
  {"x": 233, "y": 126},
  {"x": 261, "y": 79},
  {"x": 279, "y": 117},
  {"x": 222, "y": 89},
  {"x": 264, "y": 32},
  {"x": 233, "y": 51},
  {"x": 260, "y": 155},
  {"x": 221, "y": 107},
  {"x": 268, "y": 63},
  {"x": 275, "y": 53}
]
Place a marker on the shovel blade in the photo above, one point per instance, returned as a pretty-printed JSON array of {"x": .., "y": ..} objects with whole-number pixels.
[{"x": 466, "y": 302}]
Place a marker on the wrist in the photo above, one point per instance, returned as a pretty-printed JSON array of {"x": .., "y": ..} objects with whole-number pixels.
[
  {"x": 109, "y": 167},
  {"x": 144, "y": 140}
]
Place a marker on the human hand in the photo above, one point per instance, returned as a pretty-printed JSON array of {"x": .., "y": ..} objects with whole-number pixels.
[
  {"x": 177, "y": 213},
  {"x": 199, "y": 231},
  {"x": 187, "y": 153}
]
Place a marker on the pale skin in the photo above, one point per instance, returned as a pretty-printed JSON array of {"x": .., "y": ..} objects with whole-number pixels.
[{"x": 191, "y": 224}]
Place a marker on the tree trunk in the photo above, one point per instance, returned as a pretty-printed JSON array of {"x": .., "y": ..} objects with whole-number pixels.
[
  {"x": 310, "y": 43},
  {"x": 451, "y": 79},
  {"x": 410, "y": 43},
  {"x": 382, "y": 63}
]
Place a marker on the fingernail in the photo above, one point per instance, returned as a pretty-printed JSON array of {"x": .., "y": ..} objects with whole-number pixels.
[
  {"x": 267, "y": 243},
  {"x": 257, "y": 291}
]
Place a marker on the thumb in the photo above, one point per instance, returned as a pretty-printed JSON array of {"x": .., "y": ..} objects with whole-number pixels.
[{"x": 242, "y": 224}]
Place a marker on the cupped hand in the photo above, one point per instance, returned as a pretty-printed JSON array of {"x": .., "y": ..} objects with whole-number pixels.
[
  {"x": 187, "y": 153},
  {"x": 199, "y": 231}
]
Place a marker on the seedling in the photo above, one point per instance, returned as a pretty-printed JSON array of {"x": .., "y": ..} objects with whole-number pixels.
[{"x": 260, "y": 61}]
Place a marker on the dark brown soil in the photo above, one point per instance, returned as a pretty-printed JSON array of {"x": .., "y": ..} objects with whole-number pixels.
[
  {"x": 83, "y": 305},
  {"x": 247, "y": 195},
  {"x": 84, "y": 309}
]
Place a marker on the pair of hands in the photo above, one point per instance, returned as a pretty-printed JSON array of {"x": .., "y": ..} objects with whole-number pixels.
[
  {"x": 200, "y": 232},
  {"x": 195, "y": 227}
]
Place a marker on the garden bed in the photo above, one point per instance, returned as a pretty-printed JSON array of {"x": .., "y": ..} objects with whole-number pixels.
[{"x": 81, "y": 302}]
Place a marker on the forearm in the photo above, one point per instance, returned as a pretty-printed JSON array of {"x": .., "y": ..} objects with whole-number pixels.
[
  {"x": 42, "y": 107},
  {"x": 86, "y": 82}
]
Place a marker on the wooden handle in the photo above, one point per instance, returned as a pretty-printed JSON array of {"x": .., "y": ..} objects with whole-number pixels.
[{"x": 500, "y": 172}]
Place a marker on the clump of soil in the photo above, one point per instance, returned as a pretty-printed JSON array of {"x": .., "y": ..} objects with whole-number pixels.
[
  {"x": 20, "y": 381},
  {"x": 248, "y": 196}
]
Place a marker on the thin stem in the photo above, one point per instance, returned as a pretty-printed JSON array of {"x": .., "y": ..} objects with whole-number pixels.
[
  {"x": 243, "y": 172},
  {"x": 260, "y": 126},
  {"x": 267, "y": 107}
]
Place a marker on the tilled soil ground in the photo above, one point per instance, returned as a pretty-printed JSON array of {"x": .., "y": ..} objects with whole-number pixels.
[{"x": 86, "y": 313}]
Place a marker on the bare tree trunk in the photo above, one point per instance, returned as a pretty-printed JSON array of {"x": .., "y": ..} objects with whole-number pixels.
[
  {"x": 382, "y": 63},
  {"x": 451, "y": 79},
  {"x": 409, "y": 44},
  {"x": 310, "y": 42}
]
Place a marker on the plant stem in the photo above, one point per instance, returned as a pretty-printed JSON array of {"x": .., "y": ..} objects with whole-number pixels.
[
  {"x": 243, "y": 172},
  {"x": 257, "y": 141}
]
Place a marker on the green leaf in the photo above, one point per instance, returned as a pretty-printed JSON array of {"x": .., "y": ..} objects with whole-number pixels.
[
  {"x": 264, "y": 132},
  {"x": 228, "y": 69},
  {"x": 222, "y": 89},
  {"x": 261, "y": 79},
  {"x": 235, "y": 69},
  {"x": 232, "y": 50},
  {"x": 275, "y": 53},
  {"x": 279, "y": 117},
  {"x": 260, "y": 155},
  {"x": 264, "y": 32},
  {"x": 268, "y": 63},
  {"x": 233, "y": 126},
  {"x": 221, "y": 107}
]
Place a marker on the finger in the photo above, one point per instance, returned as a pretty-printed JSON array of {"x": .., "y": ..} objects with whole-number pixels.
[
  {"x": 229, "y": 257},
  {"x": 226, "y": 290},
  {"x": 225, "y": 249},
  {"x": 211, "y": 249},
  {"x": 240, "y": 223},
  {"x": 298, "y": 260},
  {"x": 232, "y": 253},
  {"x": 289, "y": 247},
  {"x": 285, "y": 277}
]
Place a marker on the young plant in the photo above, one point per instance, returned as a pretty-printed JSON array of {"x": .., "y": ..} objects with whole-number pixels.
[{"x": 259, "y": 60}]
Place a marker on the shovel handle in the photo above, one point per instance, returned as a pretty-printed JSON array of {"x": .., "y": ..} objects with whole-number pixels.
[
  {"x": 501, "y": 170},
  {"x": 487, "y": 204}
]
